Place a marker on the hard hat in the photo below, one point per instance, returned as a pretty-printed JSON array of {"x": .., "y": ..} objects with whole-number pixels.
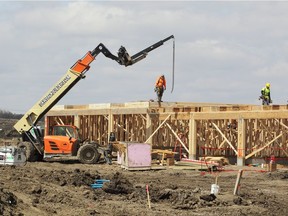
[{"x": 268, "y": 85}]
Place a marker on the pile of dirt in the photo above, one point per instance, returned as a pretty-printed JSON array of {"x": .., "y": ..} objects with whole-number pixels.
[
  {"x": 8, "y": 203},
  {"x": 277, "y": 175},
  {"x": 45, "y": 188},
  {"x": 118, "y": 184}
]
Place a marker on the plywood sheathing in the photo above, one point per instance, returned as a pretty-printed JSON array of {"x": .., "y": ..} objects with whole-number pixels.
[{"x": 242, "y": 131}]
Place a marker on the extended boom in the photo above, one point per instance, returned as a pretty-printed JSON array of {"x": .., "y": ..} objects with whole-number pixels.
[{"x": 27, "y": 124}]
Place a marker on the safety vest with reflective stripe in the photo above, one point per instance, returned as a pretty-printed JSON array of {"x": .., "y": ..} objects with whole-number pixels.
[
  {"x": 160, "y": 82},
  {"x": 265, "y": 92}
]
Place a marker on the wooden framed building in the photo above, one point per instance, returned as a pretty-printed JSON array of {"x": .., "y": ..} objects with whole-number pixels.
[{"x": 239, "y": 132}]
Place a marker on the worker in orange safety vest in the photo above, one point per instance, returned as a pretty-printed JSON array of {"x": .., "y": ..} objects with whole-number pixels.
[{"x": 160, "y": 87}]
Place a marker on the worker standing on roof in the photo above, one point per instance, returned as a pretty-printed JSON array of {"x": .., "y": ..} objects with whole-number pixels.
[
  {"x": 160, "y": 87},
  {"x": 265, "y": 95}
]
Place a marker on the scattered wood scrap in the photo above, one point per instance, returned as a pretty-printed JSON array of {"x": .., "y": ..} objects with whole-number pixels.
[
  {"x": 180, "y": 166},
  {"x": 199, "y": 162},
  {"x": 118, "y": 147},
  {"x": 207, "y": 163},
  {"x": 165, "y": 154},
  {"x": 222, "y": 161}
]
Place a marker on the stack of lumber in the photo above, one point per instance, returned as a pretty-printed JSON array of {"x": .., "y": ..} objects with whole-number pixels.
[
  {"x": 222, "y": 161},
  {"x": 207, "y": 163},
  {"x": 165, "y": 154}
]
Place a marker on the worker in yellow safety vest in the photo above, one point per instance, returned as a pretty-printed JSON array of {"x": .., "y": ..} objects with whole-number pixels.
[
  {"x": 265, "y": 95},
  {"x": 160, "y": 87}
]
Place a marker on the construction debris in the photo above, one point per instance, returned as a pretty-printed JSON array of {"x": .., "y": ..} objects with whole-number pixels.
[
  {"x": 99, "y": 183},
  {"x": 167, "y": 155},
  {"x": 11, "y": 155},
  {"x": 200, "y": 164}
]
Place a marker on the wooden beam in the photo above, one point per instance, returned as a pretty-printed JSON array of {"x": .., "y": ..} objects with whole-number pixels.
[
  {"x": 281, "y": 123},
  {"x": 177, "y": 137},
  {"x": 270, "y": 114},
  {"x": 220, "y": 146},
  {"x": 192, "y": 139},
  {"x": 110, "y": 124},
  {"x": 116, "y": 111},
  {"x": 157, "y": 129},
  {"x": 241, "y": 138},
  {"x": 110, "y": 120},
  {"x": 260, "y": 149},
  {"x": 237, "y": 184},
  {"x": 148, "y": 129},
  {"x": 272, "y": 134},
  {"x": 224, "y": 137},
  {"x": 174, "y": 115},
  {"x": 76, "y": 121},
  {"x": 241, "y": 142},
  {"x": 285, "y": 126}
]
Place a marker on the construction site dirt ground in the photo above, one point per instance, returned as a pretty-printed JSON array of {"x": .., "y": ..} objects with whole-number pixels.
[{"x": 55, "y": 188}]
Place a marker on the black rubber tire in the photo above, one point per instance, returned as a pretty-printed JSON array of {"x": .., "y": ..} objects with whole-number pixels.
[
  {"x": 30, "y": 152},
  {"x": 88, "y": 154}
]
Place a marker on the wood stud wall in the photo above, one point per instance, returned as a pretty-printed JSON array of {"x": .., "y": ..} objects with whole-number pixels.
[{"x": 216, "y": 134}]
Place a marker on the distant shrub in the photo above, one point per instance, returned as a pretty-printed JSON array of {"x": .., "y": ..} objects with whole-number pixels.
[{"x": 9, "y": 115}]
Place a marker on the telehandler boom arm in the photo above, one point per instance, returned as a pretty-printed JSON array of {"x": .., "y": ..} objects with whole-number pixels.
[{"x": 72, "y": 76}]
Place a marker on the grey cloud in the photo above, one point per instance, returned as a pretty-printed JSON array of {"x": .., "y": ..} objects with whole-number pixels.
[{"x": 225, "y": 51}]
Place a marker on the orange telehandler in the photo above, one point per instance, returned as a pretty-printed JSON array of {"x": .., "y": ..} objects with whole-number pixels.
[{"x": 65, "y": 142}]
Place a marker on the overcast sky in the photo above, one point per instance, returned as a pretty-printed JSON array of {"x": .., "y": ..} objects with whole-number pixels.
[{"x": 225, "y": 51}]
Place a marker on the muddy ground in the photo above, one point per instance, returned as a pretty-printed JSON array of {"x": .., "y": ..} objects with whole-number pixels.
[{"x": 54, "y": 188}]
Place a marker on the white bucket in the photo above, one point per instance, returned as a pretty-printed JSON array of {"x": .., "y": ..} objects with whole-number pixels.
[{"x": 214, "y": 189}]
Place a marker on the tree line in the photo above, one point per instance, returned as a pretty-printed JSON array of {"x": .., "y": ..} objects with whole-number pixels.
[{"x": 9, "y": 115}]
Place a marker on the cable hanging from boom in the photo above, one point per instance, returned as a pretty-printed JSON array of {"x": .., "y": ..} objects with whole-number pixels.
[{"x": 173, "y": 65}]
